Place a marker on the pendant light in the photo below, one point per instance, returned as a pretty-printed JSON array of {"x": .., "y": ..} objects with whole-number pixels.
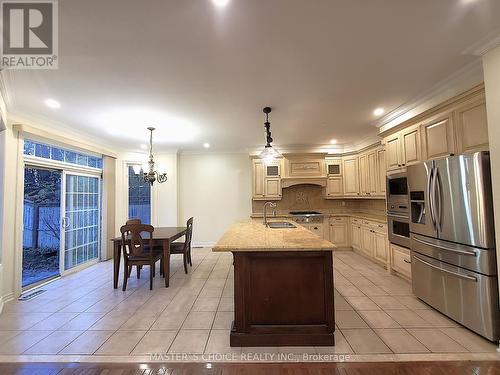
[
  {"x": 269, "y": 153},
  {"x": 151, "y": 176}
]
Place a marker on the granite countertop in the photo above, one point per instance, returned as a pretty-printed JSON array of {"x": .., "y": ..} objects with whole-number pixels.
[
  {"x": 360, "y": 215},
  {"x": 251, "y": 235}
]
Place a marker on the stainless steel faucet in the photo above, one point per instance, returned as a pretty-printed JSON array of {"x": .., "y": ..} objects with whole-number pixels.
[{"x": 272, "y": 205}]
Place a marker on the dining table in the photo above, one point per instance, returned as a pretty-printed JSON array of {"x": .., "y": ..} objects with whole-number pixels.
[{"x": 162, "y": 236}]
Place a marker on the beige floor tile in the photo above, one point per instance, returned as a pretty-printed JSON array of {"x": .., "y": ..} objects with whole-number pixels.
[
  {"x": 349, "y": 319},
  {"x": 436, "y": 341},
  {"x": 407, "y": 318},
  {"x": 470, "y": 341},
  {"x": 378, "y": 319},
  {"x": 372, "y": 290},
  {"x": 81, "y": 322},
  {"x": 223, "y": 320},
  {"x": 226, "y": 304},
  {"x": 349, "y": 291},
  {"x": 206, "y": 304},
  {"x": 218, "y": 342},
  {"x": 54, "y": 343},
  {"x": 170, "y": 321},
  {"x": 211, "y": 292},
  {"x": 6, "y": 335},
  {"x": 157, "y": 342},
  {"x": 341, "y": 345},
  {"x": 413, "y": 303},
  {"x": 87, "y": 343},
  {"x": 400, "y": 341},
  {"x": 22, "y": 342},
  {"x": 362, "y": 303},
  {"x": 365, "y": 341},
  {"x": 20, "y": 321},
  {"x": 199, "y": 320},
  {"x": 388, "y": 303},
  {"x": 139, "y": 322},
  {"x": 435, "y": 318},
  {"x": 112, "y": 321},
  {"x": 341, "y": 304},
  {"x": 121, "y": 343},
  {"x": 190, "y": 341},
  {"x": 53, "y": 322}
]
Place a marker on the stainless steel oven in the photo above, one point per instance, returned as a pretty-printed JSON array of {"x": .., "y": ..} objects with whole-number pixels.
[{"x": 399, "y": 229}]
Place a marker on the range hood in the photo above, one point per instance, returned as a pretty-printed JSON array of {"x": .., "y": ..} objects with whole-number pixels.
[{"x": 292, "y": 181}]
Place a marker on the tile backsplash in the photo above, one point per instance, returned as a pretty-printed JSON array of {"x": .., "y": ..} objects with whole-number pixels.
[{"x": 310, "y": 197}]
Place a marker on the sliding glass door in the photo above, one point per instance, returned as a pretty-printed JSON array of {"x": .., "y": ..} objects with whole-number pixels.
[
  {"x": 41, "y": 225},
  {"x": 81, "y": 219},
  {"x": 61, "y": 222}
]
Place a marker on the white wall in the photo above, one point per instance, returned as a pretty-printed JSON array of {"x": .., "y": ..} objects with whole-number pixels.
[
  {"x": 491, "y": 64},
  {"x": 215, "y": 189}
]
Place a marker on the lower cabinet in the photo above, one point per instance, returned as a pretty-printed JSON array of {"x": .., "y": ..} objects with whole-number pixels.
[
  {"x": 339, "y": 231},
  {"x": 371, "y": 239},
  {"x": 401, "y": 260},
  {"x": 356, "y": 236},
  {"x": 367, "y": 240},
  {"x": 318, "y": 229}
]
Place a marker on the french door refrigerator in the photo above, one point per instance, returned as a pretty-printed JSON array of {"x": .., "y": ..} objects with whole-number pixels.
[{"x": 453, "y": 259}]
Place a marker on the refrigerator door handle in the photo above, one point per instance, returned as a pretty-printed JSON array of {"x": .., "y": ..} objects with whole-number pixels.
[
  {"x": 437, "y": 194},
  {"x": 442, "y": 247},
  {"x": 456, "y": 274},
  {"x": 429, "y": 194}
]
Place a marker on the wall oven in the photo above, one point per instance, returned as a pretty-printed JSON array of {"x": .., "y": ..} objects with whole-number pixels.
[{"x": 398, "y": 209}]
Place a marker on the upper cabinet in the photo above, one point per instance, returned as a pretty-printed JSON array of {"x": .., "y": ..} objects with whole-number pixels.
[
  {"x": 438, "y": 137},
  {"x": 351, "y": 176},
  {"x": 456, "y": 127},
  {"x": 381, "y": 164},
  {"x": 472, "y": 127},
  {"x": 266, "y": 180},
  {"x": 305, "y": 165}
]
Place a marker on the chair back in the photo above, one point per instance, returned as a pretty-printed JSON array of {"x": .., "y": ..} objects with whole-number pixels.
[
  {"x": 189, "y": 232},
  {"x": 133, "y": 221},
  {"x": 133, "y": 241}
]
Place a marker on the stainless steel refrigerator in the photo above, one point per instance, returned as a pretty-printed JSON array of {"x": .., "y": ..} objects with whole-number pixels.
[{"x": 453, "y": 261}]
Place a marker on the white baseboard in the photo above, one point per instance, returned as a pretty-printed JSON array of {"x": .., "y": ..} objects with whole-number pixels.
[{"x": 203, "y": 244}]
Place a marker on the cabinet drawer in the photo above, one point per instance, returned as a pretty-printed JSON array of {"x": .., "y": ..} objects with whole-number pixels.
[
  {"x": 356, "y": 221},
  {"x": 379, "y": 227},
  {"x": 338, "y": 219},
  {"x": 401, "y": 260}
]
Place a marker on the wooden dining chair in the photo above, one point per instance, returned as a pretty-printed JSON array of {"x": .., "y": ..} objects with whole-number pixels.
[
  {"x": 184, "y": 247},
  {"x": 139, "y": 251},
  {"x": 139, "y": 268}
]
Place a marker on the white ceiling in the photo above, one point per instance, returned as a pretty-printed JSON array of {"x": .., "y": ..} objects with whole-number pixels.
[{"x": 203, "y": 74}]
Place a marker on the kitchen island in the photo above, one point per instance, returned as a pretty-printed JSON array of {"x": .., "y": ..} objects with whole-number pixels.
[{"x": 283, "y": 285}]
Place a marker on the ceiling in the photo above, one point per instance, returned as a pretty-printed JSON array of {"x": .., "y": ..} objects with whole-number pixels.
[{"x": 200, "y": 73}]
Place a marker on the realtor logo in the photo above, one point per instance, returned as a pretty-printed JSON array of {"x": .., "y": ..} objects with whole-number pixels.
[{"x": 29, "y": 34}]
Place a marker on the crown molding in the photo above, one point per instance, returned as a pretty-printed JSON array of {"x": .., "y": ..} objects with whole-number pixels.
[
  {"x": 484, "y": 45},
  {"x": 463, "y": 79}
]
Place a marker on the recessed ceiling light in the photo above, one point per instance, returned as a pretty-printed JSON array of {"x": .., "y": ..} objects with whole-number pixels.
[
  {"x": 220, "y": 3},
  {"x": 333, "y": 141},
  {"x": 144, "y": 146},
  {"x": 206, "y": 145},
  {"x": 52, "y": 103},
  {"x": 379, "y": 111}
]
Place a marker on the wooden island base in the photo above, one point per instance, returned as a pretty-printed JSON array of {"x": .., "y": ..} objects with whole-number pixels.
[{"x": 283, "y": 298}]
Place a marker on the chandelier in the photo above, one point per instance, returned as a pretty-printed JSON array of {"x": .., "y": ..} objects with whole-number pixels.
[
  {"x": 151, "y": 176},
  {"x": 269, "y": 153}
]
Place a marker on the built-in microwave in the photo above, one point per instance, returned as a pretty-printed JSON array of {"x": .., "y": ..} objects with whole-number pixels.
[{"x": 398, "y": 209}]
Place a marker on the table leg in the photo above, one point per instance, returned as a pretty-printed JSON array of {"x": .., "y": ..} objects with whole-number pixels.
[
  {"x": 116, "y": 263},
  {"x": 166, "y": 261}
]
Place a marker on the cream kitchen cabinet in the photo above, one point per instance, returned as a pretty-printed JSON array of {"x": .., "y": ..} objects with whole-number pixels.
[
  {"x": 372, "y": 173},
  {"x": 403, "y": 148},
  {"x": 393, "y": 152},
  {"x": 382, "y": 172},
  {"x": 339, "y": 231},
  {"x": 370, "y": 238},
  {"x": 380, "y": 243},
  {"x": 334, "y": 188},
  {"x": 438, "y": 136},
  {"x": 266, "y": 180},
  {"x": 472, "y": 127},
  {"x": 401, "y": 260},
  {"x": 363, "y": 174},
  {"x": 351, "y": 176},
  {"x": 318, "y": 229},
  {"x": 367, "y": 240},
  {"x": 334, "y": 167},
  {"x": 356, "y": 235}
]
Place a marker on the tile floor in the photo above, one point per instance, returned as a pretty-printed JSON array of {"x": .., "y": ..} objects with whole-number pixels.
[{"x": 81, "y": 315}]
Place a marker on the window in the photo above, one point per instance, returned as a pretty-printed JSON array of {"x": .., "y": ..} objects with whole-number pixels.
[
  {"x": 139, "y": 196},
  {"x": 40, "y": 150}
]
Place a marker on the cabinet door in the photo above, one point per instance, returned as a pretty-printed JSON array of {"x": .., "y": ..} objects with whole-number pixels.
[
  {"x": 393, "y": 152},
  {"x": 438, "y": 137},
  {"x": 410, "y": 142},
  {"x": 363, "y": 174},
  {"x": 472, "y": 128},
  {"x": 272, "y": 187},
  {"x": 339, "y": 234},
  {"x": 351, "y": 186},
  {"x": 382, "y": 172},
  {"x": 334, "y": 187},
  {"x": 273, "y": 169},
  {"x": 334, "y": 167},
  {"x": 258, "y": 179},
  {"x": 356, "y": 236},
  {"x": 372, "y": 174},
  {"x": 367, "y": 240},
  {"x": 317, "y": 229},
  {"x": 381, "y": 246}
]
